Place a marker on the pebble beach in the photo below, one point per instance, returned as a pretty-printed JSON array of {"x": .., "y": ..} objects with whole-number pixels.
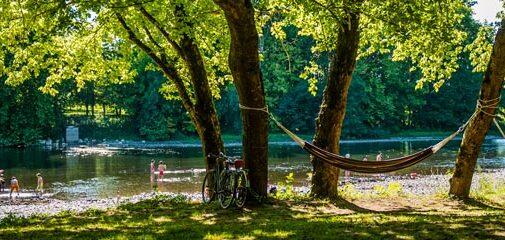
[{"x": 28, "y": 205}]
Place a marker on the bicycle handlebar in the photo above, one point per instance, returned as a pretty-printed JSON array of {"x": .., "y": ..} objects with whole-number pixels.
[{"x": 221, "y": 155}]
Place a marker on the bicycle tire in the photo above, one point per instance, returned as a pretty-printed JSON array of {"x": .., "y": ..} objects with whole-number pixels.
[
  {"x": 241, "y": 188},
  {"x": 226, "y": 187},
  {"x": 208, "y": 192}
]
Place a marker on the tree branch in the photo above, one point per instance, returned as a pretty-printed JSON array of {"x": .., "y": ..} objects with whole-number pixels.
[
  {"x": 167, "y": 68},
  {"x": 151, "y": 38},
  {"x": 161, "y": 29},
  {"x": 133, "y": 4}
]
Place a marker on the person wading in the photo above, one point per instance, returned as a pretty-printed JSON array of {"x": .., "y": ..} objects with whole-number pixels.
[{"x": 14, "y": 187}]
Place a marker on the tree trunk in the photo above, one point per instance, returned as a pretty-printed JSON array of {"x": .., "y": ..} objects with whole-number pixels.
[
  {"x": 207, "y": 122},
  {"x": 332, "y": 111},
  {"x": 245, "y": 68},
  {"x": 104, "y": 112},
  {"x": 479, "y": 125},
  {"x": 93, "y": 102},
  {"x": 93, "y": 105}
]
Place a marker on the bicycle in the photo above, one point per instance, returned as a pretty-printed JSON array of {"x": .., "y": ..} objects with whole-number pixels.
[
  {"x": 211, "y": 181},
  {"x": 230, "y": 184}
]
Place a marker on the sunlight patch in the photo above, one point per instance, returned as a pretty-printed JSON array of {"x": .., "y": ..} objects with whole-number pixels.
[
  {"x": 163, "y": 220},
  {"x": 276, "y": 234},
  {"x": 210, "y": 236}
]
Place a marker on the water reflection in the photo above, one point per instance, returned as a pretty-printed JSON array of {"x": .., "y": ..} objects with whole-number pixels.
[{"x": 123, "y": 173}]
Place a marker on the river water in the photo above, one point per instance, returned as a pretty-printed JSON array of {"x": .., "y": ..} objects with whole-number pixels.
[{"x": 105, "y": 171}]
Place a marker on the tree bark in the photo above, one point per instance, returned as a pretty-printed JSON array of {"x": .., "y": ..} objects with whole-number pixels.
[
  {"x": 104, "y": 112},
  {"x": 332, "y": 111},
  {"x": 245, "y": 68},
  {"x": 93, "y": 101},
  {"x": 207, "y": 122},
  {"x": 479, "y": 125}
]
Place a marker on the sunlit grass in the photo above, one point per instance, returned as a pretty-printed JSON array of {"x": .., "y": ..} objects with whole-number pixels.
[
  {"x": 178, "y": 218},
  {"x": 490, "y": 190}
]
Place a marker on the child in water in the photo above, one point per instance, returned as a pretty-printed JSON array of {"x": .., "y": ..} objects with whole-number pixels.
[
  {"x": 14, "y": 187},
  {"x": 161, "y": 169},
  {"x": 2, "y": 182},
  {"x": 40, "y": 185},
  {"x": 152, "y": 167}
]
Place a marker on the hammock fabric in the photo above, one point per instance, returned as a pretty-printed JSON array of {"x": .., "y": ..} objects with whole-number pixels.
[{"x": 368, "y": 166}]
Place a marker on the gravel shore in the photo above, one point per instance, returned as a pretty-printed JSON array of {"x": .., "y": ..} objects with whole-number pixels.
[{"x": 422, "y": 185}]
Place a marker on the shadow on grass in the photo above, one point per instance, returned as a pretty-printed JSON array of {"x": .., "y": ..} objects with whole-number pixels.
[{"x": 168, "y": 219}]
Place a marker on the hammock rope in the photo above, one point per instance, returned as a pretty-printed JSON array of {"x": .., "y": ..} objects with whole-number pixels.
[{"x": 380, "y": 166}]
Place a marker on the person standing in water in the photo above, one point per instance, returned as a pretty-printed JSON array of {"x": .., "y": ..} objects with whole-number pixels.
[
  {"x": 347, "y": 174},
  {"x": 2, "y": 182},
  {"x": 14, "y": 187},
  {"x": 161, "y": 169},
  {"x": 40, "y": 185},
  {"x": 153, "y": 168},
  {"x": 379, "y": 157}
]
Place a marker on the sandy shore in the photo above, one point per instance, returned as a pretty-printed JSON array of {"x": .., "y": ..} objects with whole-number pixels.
[{"x": 27, "y": 205}]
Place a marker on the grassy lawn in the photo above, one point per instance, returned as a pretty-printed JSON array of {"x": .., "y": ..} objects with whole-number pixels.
[{"x": 163, "y": 218}]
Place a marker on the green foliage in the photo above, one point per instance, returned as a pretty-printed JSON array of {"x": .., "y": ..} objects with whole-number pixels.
[
  {"x": 286, "y": 190},
  {"x": 480, "y": 49},
  {"x": 349, "y": 191},
  {"x": 422, "y": 32},
  {"x": 490, "y": 190},
  {"x": 393, "y": 189},
  {"x": 27, "y": 115}
]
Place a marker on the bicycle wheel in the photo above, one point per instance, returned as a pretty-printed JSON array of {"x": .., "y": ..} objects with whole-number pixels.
[
  {"x": 226, "y": 189},
  {"x": 241, "y": 185},
  {"x": 208, "y": 186}
]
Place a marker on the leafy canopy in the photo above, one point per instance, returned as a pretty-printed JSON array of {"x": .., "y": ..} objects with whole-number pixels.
[
  {"x": 427, "y": 33},
  {"x": 83, "y": 41}
]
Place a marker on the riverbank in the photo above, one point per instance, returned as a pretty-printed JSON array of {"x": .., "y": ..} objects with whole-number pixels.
[
  {"x": 178, "y": 218},
  {"x": 235, "y": 140},
  {"x": 353, "y": 189}
]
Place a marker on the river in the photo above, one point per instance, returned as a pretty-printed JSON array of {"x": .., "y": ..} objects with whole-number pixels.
[{"x": 119, "y": 170}]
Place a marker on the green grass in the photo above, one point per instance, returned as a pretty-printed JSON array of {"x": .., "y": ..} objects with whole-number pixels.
[{"x": 164, "y": 218}]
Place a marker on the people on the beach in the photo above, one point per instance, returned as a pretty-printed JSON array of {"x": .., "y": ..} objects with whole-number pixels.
[
  {"x": 379, "y": 157},
  {"x": 40, "y": 185},
  {"x": 153, "y": 168},
  {"x": 14, "y": 187},
  {"x": 161, "y": 169},
  {"x": 365, "y": 158},
  {"x": 2, "y": 182}
]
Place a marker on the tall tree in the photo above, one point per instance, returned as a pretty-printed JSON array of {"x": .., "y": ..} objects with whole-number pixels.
[
  {"x": 245, "y": 68},
  {"x": 473, "y": 137},
  {"x": 332, "y": 111},
  {"x": 423, "y": 32},
  {"x": 199, "y": 104}
]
